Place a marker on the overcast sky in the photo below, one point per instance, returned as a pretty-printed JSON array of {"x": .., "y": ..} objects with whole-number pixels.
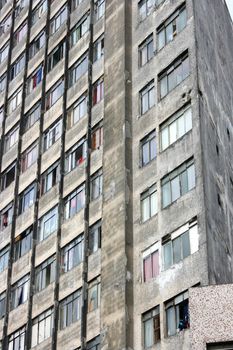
[{"x": 230, "y": 6}]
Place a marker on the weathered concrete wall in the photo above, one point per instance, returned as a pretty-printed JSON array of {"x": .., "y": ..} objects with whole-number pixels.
[
  {"x": 215, "y": 79},
  {"x": 210, "y": 315}
]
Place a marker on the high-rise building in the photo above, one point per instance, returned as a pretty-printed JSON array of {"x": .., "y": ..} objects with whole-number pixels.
[{"x": 116, "y": 176}]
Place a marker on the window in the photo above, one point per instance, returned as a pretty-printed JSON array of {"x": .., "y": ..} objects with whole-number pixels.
[
  {"x": 6, "y": 23},
  {"x": 146, "y": 50},
  {"x": 72, "y": 254},
  {"x": 17, "y": 66},
  {"x": 4, "y": 52},
  {"x": 17, "y": 339},
  {"x": 52, "y": 134},
  {"x": 94, "y": 344},
  {"x": 8, "y": 176},
  {"x": 26, "y": 199},
  {"x": 70, "y": 309},
  {"x": 50, "y": 177},
  {"x": 2, "y": 3},
  {"x": 77, "y": 111},
  {"x": 2, "y": 83},
  {"x": 177, "y": 314},
  {"x": 97, "y": 137},
  {"x": 75, "y": 202},
  {"x": 98, "y": 91},
  {"x": 75, "y": 3},
  {"x": 4, "y": 256},
  {"x": 29, "y": 157},
  {"x": 151, "y": 262},
  {"x": 148, "y": 148},
  {"x": 11, "y": 138},
  {"x": 98, "y": 49},
  {"x": 15, "y": 100},
  {"x": 171, "y": 27},
  {"x": 96, "y": 184},
  {"x": 56, "y": 56},
  {"x": 76, "y": 155},
  {"x": 58, "y": 20},
  {"x": 23, "y": 243},
  {"x": 42, "y": 327},
  {"x": 174, "y": 75},
  {"x": 45, "y": 274},
  {"x": 48, "y": 224},
  {"x": 54, "y": 94},
  {"x": 94, "y": 294},
  {"x": 149, "y": 205},
  {"x": 20, "y": 5},
  {"x": 220, "y": 346},
  {"x": 34, "y": 80},
  {"x": 180, "y": 244},
  {"x": 145, "y": 7},
  {"x": 175, "y": 127},
  {"x": 39, "y": 11},
  {"x": 19, "y": 34},
  {"x": 99, "y": 9},
  {"x": 37, "y": 44},
  {"x": 95, "y": 237},
  {"x": 32, "y": 116},
  {"x": 6, "y": 216},
  {"x": 79, "y": 69},
  {"x": 2, "y": 304},
  {"x": 151, "y": 327},
  {"x": 79, "y": 30},
  {"x": 147, "y": 97},
  {"x": 19, "y": 292},
  {"x": 178, "y": 182}
]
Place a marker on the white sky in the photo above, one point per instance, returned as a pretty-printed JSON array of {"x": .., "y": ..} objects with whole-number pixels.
[{"x": 230, "y": 6}]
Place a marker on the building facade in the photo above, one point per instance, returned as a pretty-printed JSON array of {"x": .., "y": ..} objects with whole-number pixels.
[{"x": 115, "y": 170}]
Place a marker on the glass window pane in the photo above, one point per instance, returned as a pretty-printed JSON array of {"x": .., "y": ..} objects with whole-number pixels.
[
  {"x": 171, "y": 321},
  {"x": 145, "y": 106},
  {"x": 171, "y": 80},
  {"x": 163, "y": 87},
  {"x": 145, "y": 209},
  {"x": 151, "y": 98},
  {"x": 181, "y": 126},
  {"x": 147, "y": 268},
  {"x": 188, "y": 119},
  {"x": 184, "y": 182},
  {"x": 175, "y": 188},
  {"x": 176, "y": 244},
  {"x": 161, "y": 39},
  {"x": 185, "y": 244},
  {"x": 153, "y": 148},
  {"x": 167, "y": 255},
  {"x": 155, "y": 264},
  {"x": 179, "y": 74},
  {"x": 153, "y": 203},
  {"x": 169, "y": 33},
  {"x": 145, "y": 153},
  {"x": 191, "y": 177},
  {"x": 148, "y": 333},
  {"x": 164, "y": 136},
  {"x": 182, "y": 19},
  {"x": 166, "y": 194},
  {"x": 173, "y": 132},
  {"x": 185, "y": 67}
]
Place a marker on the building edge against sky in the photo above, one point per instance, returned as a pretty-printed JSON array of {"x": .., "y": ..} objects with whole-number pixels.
[{"x": 116, "y": 207}]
